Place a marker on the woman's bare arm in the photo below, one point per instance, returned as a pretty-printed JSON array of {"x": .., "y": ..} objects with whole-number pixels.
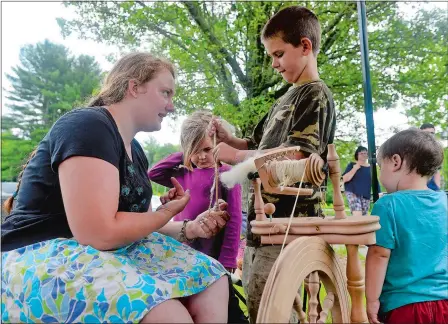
[{"x": 90, "y": 190}]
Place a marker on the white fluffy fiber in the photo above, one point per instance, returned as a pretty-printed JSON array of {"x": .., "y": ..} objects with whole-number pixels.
[{"x": 238, "y": 173}]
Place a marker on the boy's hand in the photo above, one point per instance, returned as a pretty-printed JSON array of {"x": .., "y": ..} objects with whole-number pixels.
[
  {"x": 222, "y": 134},
  {"x": 175, "y": 199},
  {"x": 372, "y": 311},
  {"x": 225, "y": 153}
]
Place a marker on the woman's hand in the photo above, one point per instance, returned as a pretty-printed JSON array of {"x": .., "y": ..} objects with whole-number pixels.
[
  {"x": 209, "y": 223},
  {"x": 216, "y": 127},
  {"x": 175, "y": 200}
]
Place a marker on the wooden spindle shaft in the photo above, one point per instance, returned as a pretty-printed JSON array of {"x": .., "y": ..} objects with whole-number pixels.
[
  {"x": 314, "y": 298},
  {"x": 355, "y": 285},
  {"x": 258, "y": 202},
  {"x": 326, "y": 307},
  {"x": 216, "y": 189},
  {"x": 335, "y": 177},
  {"x": 216, "y": 177}
]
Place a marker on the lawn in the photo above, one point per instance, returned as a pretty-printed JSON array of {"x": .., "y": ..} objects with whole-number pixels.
[{"x": 242, "y": 305}]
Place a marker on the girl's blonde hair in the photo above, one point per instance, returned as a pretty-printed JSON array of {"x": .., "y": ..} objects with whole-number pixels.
[
  {"x": 139, "y": 66},
  {"x": 193, "y": 131}
]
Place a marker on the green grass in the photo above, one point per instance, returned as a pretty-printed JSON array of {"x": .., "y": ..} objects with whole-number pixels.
[
  {"x": 342, "y": 252},
  {"x": 242, "y": 306}
]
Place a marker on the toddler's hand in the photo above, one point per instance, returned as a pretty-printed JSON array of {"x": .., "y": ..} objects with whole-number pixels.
[{"x": 372, "y": 311}]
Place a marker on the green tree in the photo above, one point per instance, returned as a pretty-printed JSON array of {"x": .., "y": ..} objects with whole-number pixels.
[
  {"x": 223, "y": 65},
  {"x": 154, "y": 153},
  {"x": 444, "y": 170},
  {"x": 14, "y": 150},
  {"x": 47, "y": 83}
]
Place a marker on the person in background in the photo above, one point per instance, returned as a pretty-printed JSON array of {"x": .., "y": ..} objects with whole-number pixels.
[
  {"x": 357, "y": 179},
  {"x": 435, "y": 182}
]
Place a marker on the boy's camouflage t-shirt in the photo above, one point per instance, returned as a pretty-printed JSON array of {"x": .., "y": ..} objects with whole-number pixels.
[{"x": 305, "y": 117}]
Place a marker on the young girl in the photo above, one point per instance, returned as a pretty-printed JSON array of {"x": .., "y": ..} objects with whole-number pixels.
[
  {"x": 82, "y": 243},
  {"x": 407, "y": 269},
  {"x": 194, "y": 169}
]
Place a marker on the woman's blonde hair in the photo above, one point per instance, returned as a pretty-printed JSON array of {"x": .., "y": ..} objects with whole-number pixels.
[
  {"x": 138, "y": 66},
  {"x": 193, "y": 131}
]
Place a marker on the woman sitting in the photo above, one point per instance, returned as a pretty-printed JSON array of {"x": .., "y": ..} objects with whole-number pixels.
[{"x": 82, "y": 243}]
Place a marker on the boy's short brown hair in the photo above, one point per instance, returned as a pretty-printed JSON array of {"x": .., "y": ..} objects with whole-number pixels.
[
  {"x": 292, "y": 24},
  {"x": 419, "y": 149}
]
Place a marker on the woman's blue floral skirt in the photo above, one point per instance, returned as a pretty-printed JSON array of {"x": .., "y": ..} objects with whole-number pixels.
[{"x": 62, "y": 281}]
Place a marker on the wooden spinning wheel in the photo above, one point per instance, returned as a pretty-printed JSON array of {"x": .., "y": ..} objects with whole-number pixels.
[
  {"x": 309, "y": 258},
  {"x": 305, "y": 258}
]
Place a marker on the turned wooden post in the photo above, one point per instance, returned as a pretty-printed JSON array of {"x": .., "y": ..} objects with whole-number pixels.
[
  {"x": 314, "y": 296},
  {"x": 335, "y": 176},
  {"x": 326, "y": 308},
  {"x": 258, "y": 202},
  {"x": 355, "y": 285}
]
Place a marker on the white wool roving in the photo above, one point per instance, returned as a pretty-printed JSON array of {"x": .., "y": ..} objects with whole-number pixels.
[{"x": 238, "y": 173}]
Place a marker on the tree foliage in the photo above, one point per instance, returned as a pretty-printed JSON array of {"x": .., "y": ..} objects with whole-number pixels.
[
  {"x": 223, "y": 65},
  {"x": 14, "y": 150},
  {"x": 47, "y": 83},
  {"x": 155, "y": 152}
]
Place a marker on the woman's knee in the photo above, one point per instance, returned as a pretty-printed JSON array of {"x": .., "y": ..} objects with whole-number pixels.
[
  {"x": 221, "y": 287},
  {"x": 219, "y": 290},
  {"x": 170, "y": 311},
  {"x": 211, "y": 305}
]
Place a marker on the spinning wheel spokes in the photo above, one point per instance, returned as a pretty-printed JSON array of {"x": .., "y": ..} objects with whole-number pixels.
[
  {"x": 298, "y": 307},
  {"x": 314, "y": 298},
  {"x": 306, "y": 256},
  {"x": 327, "y": 306}
]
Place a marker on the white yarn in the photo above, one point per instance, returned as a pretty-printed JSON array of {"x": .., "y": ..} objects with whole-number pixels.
[
  {"x": 290, "y": 219},
  {"x": 238, "y": 174},
  {"x": 287, "y": 172}
]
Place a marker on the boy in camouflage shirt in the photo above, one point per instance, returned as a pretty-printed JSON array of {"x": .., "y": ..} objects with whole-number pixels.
[{"x": 304, "y": 117}]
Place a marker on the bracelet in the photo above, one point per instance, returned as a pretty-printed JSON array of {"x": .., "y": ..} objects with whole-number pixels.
[{"x": 182, "y": 235}]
